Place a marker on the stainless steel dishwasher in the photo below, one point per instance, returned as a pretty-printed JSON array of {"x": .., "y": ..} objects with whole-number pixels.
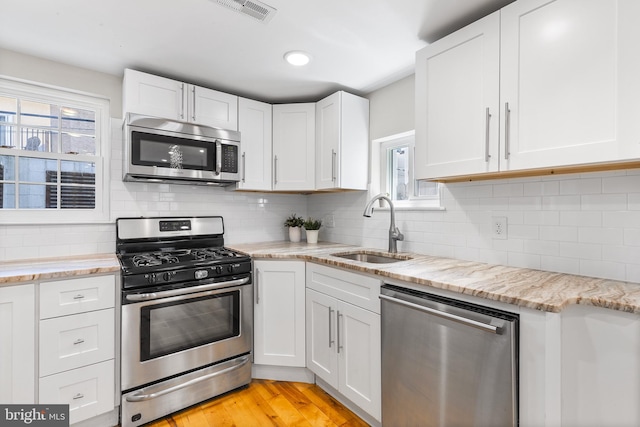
[{"x": 447, "y": 363}]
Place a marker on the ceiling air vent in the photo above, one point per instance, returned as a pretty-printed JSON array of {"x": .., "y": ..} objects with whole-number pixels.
[{"x": 253, "y": 8}]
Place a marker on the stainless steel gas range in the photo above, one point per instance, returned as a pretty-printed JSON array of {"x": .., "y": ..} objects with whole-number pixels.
[{"x": 187, "y": 315}]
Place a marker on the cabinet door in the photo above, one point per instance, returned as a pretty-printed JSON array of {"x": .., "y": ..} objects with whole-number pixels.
[
  {"x": 213, "y": 108},
  {"x": 294, "y": 147},
  {"x": 328, "y": 113},
  {"x": 572, "y": 91},
  {"x": 457, "y": 102},
  {"x": 279, "y": 313},
  {"x": 89, "y": 391},
  {"x": 154, "y": 96},
  {"x": 17, "y": 351},
  {"x": 73, "y": 296},
  {"x": 254, "y": 124},
  {"x": 358, "y": 349},
  {"x": 70, "y": 342},
  {"x": 342, "y": 142},
  {"x": 322, "y": 356}
]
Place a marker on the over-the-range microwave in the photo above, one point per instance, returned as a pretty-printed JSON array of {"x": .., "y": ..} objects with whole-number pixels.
[{"x": 157, "y": 149}]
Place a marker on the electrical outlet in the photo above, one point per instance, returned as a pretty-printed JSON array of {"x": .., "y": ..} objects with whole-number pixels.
[
  {"x": 329, "y": 221},
  {"x": 499, "y": 227}
]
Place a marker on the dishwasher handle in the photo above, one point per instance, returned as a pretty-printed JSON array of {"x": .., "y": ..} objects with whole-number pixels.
[{"x": 463, "y": 320}]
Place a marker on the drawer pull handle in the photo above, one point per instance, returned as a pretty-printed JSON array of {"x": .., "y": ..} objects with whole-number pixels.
[
  {"x": 78, "y": 396},
  {"x": 78, "y": 341},
  {"x": 79, "y": 296}
]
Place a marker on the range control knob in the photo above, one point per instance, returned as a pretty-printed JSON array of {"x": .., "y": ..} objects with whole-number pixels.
[
  {"x": 151, "y": 278},
  {"x": 166, "y": 276},
  {"x": 218, "y": 269},
  {"x": 230, "y": 268}
]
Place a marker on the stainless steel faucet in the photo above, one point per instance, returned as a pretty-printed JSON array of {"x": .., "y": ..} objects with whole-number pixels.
[{"x": 394, "y": 232}]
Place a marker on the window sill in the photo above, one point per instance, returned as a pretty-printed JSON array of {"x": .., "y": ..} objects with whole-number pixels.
[{"x": 410, "y": 208}]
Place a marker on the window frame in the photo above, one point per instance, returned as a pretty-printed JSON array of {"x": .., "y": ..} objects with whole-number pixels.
[
  {"x": 380, "y": 181},
  {"x": 32, "y": 91}
]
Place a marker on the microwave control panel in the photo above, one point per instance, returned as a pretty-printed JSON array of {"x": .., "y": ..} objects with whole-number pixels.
[{"x": 230, "y": 158}]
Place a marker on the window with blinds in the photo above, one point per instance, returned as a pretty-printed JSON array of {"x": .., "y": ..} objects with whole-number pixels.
[{"x": 52, "y": 152}]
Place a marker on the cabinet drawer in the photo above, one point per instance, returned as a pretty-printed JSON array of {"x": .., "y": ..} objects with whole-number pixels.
[
  {"x": 72, "y": 341},
  {"x": 73, "y": 296},
  {"x": 88, "y": 391},
  {"x": 357, "y": 289}
]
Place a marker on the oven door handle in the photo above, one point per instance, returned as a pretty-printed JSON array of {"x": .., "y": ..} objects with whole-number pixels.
[
  {"x": 182, "y": 291},
  {"x": 142, "y": 397}
]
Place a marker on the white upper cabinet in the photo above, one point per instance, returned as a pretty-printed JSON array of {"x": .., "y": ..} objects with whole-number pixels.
[
  {"x": 342, "y": 142},
  {"x": 254, "y": 124},
  {"x": 569, "y": 74},
  {"x": 212, "y": 108},
  {"x": 294, "y": 147},
  {"x": 567, "y": 95},
  {"x": 457, "y": 92},
  {"x": 171, "y": 99}
]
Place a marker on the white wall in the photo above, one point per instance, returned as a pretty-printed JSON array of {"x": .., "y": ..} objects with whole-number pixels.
[{"x": 249, "y": 217}]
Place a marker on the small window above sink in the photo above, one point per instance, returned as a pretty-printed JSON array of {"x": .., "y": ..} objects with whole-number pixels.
[{"x": 373, "y": 257}]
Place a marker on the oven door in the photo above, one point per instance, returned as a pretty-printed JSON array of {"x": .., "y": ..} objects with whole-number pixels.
[{"x": 168, "y": 335}]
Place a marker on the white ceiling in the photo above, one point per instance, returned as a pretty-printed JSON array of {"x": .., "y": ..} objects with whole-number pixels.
[{"x": 357, "y": 45}]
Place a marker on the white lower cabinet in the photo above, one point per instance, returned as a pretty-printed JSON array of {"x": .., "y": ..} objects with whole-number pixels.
[
  {"x": 343, "y": 338},
  {"x": 88, "y": 390},
  {"x": 279, "y": 313},
  {"x": 17, "y": 344},
  {"x": 77, "y": 345}
]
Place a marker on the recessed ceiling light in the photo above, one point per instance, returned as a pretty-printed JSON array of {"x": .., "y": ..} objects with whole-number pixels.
[{"x": 297, "y": 58}]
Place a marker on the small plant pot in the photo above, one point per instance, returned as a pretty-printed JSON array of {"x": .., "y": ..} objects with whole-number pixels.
[
  {"x": 312, "y": 236},
  {"x": 294, "y": 234}
]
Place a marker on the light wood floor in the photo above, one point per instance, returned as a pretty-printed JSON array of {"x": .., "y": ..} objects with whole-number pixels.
[{"x": 266, "y": 403}]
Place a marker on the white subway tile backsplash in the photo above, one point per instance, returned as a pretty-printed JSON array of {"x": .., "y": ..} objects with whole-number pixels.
[
  {"x": 541, "y": 188},
  {"x": 623, "y": 219},
  {"x": 581, "y": 218},
  {"x": 604, "y": 202},
  {"x": 621, "y": 184},
  {"x": 561, "y": 265},
  {"x": 524, "y": 260},
  {"x": 581, "y": 186},
  {"x": 541, "y": 218},
  {"x": 561, "y": 203},
  {"x": 508, "y": 190},
  {"x": 602, "y": 236},
  {"x": 603, "y": 269},
  {"x": 559, "y": 233},
  {"x": 632, "y": 237},
  {"x": 588, "y": 251},
  {"x": 541, "y": 247}
]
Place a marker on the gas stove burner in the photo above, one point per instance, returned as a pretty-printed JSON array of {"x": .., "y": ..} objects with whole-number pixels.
[
  {"x": 153, "y": 259},
  {"x": 213, "y": 254}
]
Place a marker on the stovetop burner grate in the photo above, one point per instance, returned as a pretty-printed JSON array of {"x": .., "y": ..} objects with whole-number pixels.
[{"x": 177, "y": 257}]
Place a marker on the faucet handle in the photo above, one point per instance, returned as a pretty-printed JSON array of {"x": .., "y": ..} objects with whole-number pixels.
[{"x": 397, "y": 235}]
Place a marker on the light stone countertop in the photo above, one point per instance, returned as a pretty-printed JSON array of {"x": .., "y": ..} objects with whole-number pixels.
[
  {"x": 535, "y": 289},
  {"x": 22, "y": 271}
]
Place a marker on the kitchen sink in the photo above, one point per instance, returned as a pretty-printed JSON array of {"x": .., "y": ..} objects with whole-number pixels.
[{"x": 372, "y": 257}]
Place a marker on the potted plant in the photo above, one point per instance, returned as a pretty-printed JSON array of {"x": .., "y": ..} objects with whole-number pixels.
[
  {"x": 294, "y": 222},
  {"x": 312, "y": 226}
]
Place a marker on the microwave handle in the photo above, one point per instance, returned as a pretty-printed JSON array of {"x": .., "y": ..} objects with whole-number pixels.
[{"x": 218, "y": 157}]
